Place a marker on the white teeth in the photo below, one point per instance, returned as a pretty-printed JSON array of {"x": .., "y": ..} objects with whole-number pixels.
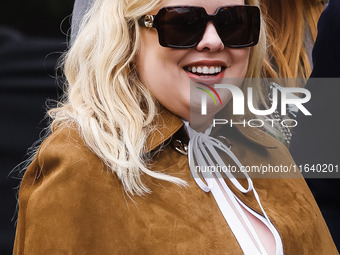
[{"x": 205, "y": 69}]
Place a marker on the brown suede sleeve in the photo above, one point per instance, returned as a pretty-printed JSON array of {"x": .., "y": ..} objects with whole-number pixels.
[{"x": 63, "y": 207}]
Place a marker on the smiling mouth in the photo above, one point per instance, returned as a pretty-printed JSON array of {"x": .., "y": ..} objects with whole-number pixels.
[{"x": 205, "y": 70}]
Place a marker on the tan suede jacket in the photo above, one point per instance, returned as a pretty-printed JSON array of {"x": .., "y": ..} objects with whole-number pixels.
[{"x": 69, "y": 203}]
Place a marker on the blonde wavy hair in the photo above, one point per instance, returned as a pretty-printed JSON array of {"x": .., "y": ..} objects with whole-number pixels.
[{"x": 105, "y": 97}]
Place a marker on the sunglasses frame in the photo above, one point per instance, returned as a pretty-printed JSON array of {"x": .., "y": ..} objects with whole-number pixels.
[{"x": 152, "y": 21}]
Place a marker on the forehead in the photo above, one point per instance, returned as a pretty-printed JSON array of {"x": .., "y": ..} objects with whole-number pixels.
[{"x": 209, "y": 5}]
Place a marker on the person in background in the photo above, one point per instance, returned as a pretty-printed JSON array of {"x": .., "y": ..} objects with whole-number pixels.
[
  {"x": 316, "y": 139},
  {"x": 292, "y": 32}
]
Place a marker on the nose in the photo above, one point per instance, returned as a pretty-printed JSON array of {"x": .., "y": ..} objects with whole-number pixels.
[{"x": 210, "y": 41}]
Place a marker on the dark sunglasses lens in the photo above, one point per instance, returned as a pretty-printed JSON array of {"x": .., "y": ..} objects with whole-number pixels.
[
  {"x": 238, "y": 26},
  {"x": 180, "y": 27}
]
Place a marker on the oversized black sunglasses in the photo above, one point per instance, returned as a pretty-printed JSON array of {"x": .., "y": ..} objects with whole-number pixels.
[{"x": 183, "y": 26}]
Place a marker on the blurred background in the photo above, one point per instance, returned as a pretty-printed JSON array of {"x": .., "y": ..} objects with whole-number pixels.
[
  {"x": 37, "y": 18},
  {"x": 33, "y": 35}
]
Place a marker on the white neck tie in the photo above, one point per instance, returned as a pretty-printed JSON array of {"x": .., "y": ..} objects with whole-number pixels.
[{"x": 202, "y": 152}]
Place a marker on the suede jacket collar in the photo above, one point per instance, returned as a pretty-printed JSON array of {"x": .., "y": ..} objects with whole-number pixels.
[{"x": 167, "y": 124}]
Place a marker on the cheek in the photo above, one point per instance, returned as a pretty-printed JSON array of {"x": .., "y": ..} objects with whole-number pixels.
[
  {"x": 146, "y": 57},
  {"x": 161, "y": 73},
  {"x": 158, "y": 69},
  {"x": 240, "y": 61},
  {"x": 149, "y": 62}
]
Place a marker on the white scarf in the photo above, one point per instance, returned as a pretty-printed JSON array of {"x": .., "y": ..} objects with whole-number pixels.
[{"x": 202, "y": 151}]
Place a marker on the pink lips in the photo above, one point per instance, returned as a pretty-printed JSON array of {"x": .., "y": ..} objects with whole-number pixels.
[{"x": 207, "y": 79}]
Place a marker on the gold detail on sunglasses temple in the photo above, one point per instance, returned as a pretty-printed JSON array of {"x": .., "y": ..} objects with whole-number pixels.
[{"x": 148, "y": 20}]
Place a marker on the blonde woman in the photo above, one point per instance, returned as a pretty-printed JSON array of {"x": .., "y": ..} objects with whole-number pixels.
[{"x": 114, "y": 177}]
